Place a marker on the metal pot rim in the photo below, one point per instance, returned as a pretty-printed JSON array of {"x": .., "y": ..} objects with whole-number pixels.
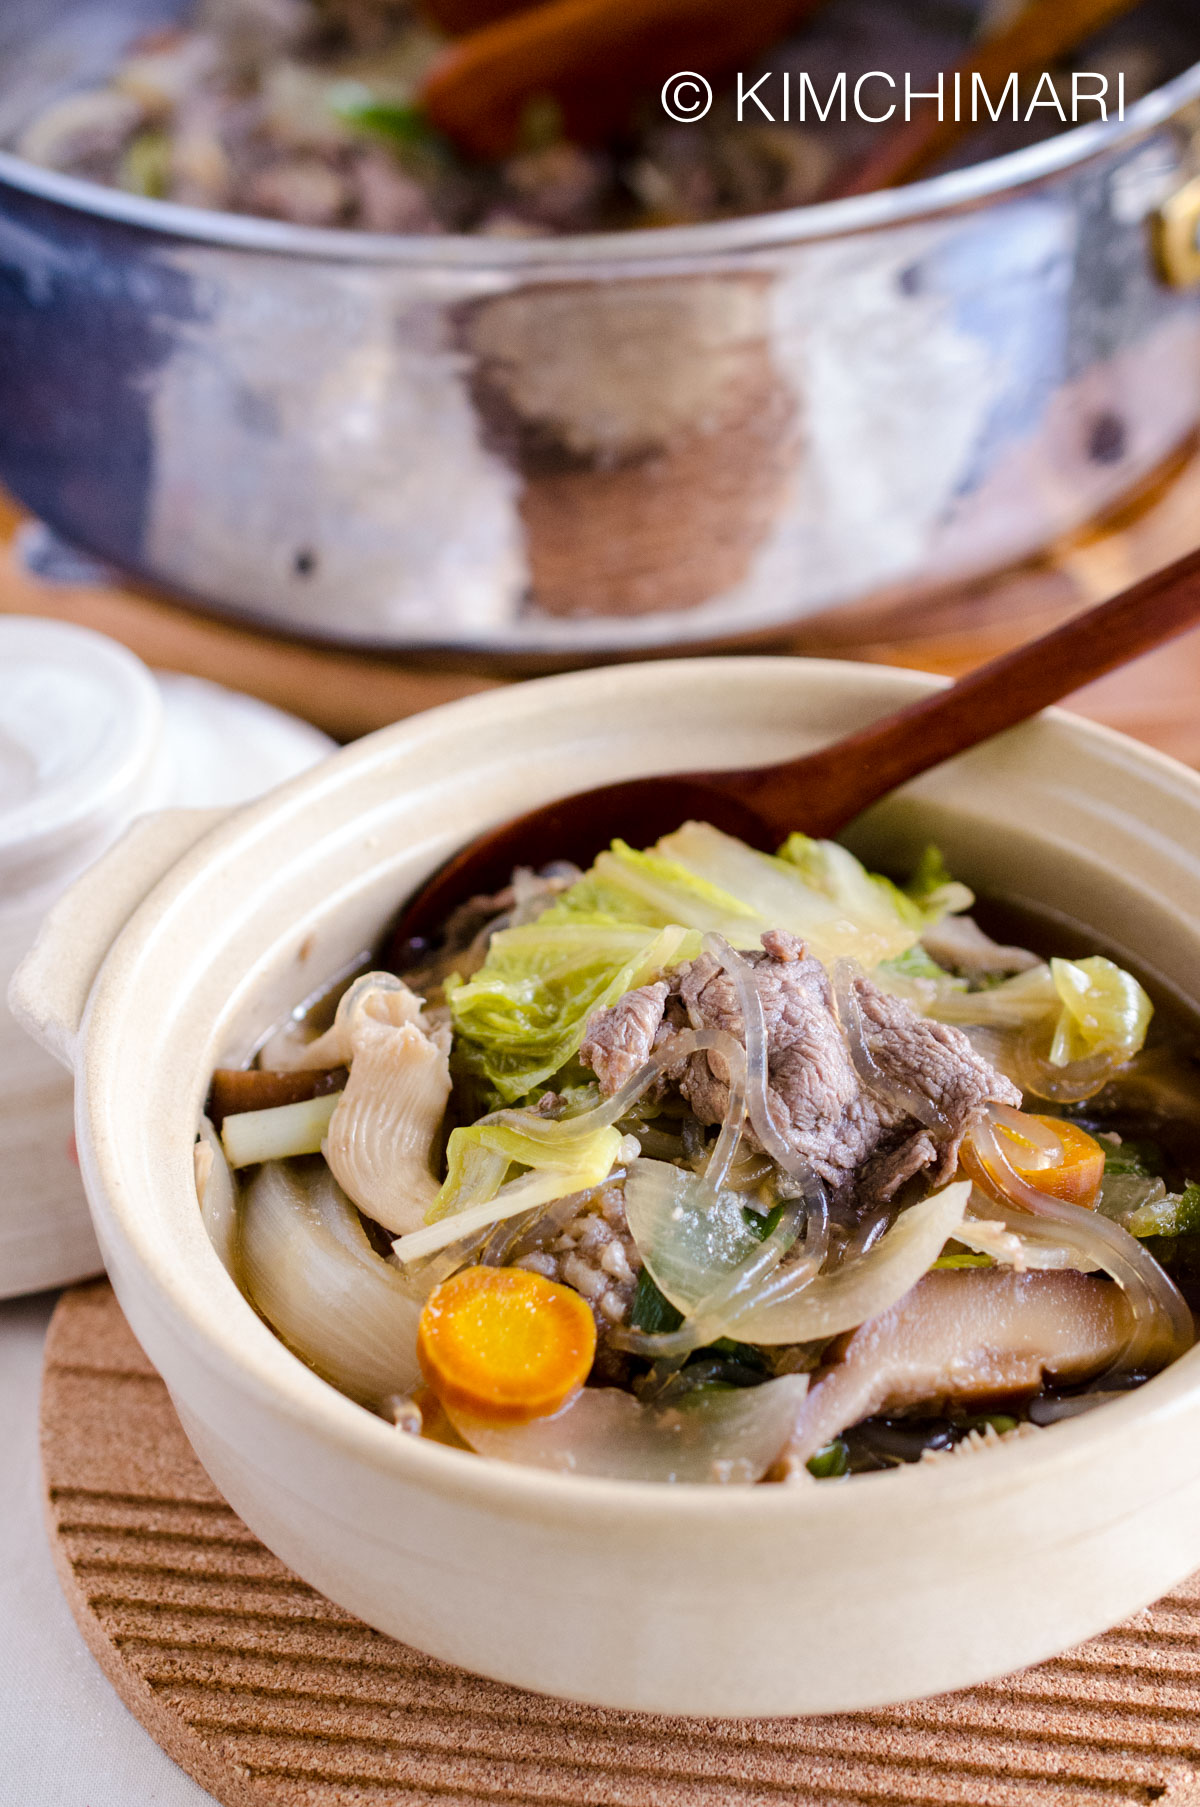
[{"x": 960, "y": 190}]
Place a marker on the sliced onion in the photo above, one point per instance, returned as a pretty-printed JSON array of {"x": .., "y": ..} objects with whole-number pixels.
[
  {"x": 736, "y": 1289},
  {"x": 1163, "y": 1326},
  {"x": 795, "y": 1304},
  {"x": 831, "y": 1303},
  {"x": 717, "y": 1438},
  {"x": 312, "y": 1273},
  {"x": 700, "y": 1254},
  {"x": 688, "y": 1241},
  {"x": 216, "y": 1190}
]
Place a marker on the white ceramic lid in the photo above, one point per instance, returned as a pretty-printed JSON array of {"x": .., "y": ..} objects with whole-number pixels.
[
  {"x": 89, "y": 739},
  {"x": 81, "y": 724}
]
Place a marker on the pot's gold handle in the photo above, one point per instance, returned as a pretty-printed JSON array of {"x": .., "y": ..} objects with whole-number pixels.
[
  {"x": 1176, "y": 232},
  {"x": 50, "y": 988}
]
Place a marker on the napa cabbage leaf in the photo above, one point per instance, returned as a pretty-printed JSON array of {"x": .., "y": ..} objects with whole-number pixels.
[
  {"x": 1079, "y": 1008},
  {"x": 521, "y": 1018}
]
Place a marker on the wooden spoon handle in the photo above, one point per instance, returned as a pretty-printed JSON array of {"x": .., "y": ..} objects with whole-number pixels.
[
  {"x": 825, "y": 791},
  {"x": 1044, "y": 32},
  {"x": 594, "y": 57},
  {"x": 457, "y": 17}
]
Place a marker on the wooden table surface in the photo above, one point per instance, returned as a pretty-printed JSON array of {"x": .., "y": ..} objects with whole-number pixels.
[{"x": 348, "y": 693}]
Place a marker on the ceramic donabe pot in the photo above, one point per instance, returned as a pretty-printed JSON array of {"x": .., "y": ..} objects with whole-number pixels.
[{"x": 675, "y": 1599}]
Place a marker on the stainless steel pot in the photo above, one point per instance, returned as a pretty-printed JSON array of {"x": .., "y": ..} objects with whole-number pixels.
[{"x": 594, "y": 444}]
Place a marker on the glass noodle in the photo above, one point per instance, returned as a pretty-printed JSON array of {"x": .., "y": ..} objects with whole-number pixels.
[{"x": 1162, "y": 1322}]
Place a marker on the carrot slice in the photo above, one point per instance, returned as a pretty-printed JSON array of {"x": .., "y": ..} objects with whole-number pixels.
[
  {"x": 1077, "y": 1179},
  {"x": 505, "y": 1345}
]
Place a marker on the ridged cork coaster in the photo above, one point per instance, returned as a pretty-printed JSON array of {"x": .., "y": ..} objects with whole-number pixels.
[{"x": 272, "y": 1697}]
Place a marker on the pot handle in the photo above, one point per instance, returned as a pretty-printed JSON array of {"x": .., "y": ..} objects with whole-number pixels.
[
  {"x": 50, "y": 988},
  {"x": 1175, "y": 229}
]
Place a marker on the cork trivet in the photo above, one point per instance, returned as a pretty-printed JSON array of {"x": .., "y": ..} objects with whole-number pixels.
[{"x": 270, "y": 1696}]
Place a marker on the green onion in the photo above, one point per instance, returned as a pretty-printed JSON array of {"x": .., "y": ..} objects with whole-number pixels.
[
  {"x": 1140, "y": 1160},
  {"x": 1000, "y": 1422},
  {"x": 760, "y": 1224},
  {"x": 400, "y": 124},
  {"x": 830, "y": 1463},
  {"x": 650, "y": 1311}
]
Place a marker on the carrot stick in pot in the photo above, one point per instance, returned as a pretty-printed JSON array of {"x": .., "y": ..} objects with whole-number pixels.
[
  {"x": 1046, "y": 31},
  {"x": 595, "y": 58}
]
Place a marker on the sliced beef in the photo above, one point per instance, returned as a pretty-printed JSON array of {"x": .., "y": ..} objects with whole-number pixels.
[
  {"x": 935, "y": 1061},
  {"x": 619, "y": 1040},
  {"x": 817, "y": 1097},
  {"x": 860, "y": 1139}
]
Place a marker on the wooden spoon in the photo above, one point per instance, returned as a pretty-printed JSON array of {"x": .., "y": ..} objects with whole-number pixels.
[
  {"x": 457, "y": 17},
  {"x": 1044, "y": 32},
  {"x": 595, "y": 58},
  {"x": 823, "y": 791}
]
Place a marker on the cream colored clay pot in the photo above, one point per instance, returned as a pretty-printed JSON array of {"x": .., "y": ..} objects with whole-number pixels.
[{"x": 196, "y": 934}]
